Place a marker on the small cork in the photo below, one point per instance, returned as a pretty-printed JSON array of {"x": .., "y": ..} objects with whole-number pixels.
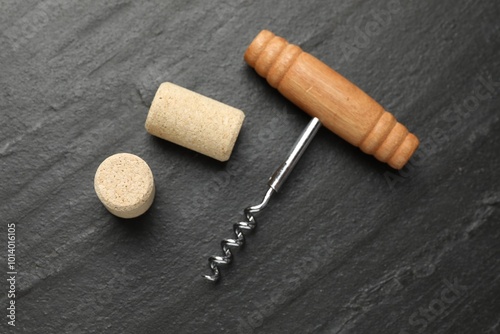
[
  {"x": 124, "y": 184},
  {"x": 194, "y": 121}
]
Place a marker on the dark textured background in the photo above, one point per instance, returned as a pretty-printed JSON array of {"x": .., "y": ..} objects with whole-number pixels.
[{"x": 348, "y": 246}]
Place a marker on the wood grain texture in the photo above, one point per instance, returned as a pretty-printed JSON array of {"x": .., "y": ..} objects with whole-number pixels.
[
  {"x": 348, "y": 245},
  {"x": 340, "y": 105}
]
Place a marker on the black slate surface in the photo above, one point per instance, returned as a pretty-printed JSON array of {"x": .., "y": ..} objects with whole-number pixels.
[{"x": 348, "y": 246}]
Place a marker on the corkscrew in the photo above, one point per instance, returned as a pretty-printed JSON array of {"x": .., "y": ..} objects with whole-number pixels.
[
  {"x": 275, "y": 182},
  {"x": 332, "y": 101}
]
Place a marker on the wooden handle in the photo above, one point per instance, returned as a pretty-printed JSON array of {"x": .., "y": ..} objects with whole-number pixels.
[{"x": 340, "y": 105}]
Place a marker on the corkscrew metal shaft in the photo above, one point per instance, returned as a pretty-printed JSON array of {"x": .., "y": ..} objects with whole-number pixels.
[{"x": 275, "y": 182}]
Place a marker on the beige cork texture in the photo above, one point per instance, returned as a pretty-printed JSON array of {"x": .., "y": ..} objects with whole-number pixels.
[
  {"x": 124, "y": 184},
  {"x": 194, "y": 121}
]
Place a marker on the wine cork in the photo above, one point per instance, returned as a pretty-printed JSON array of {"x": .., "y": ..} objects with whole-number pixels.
[
  {"x": 194, "y": 121},
  {"x": 124, "y": 184}
]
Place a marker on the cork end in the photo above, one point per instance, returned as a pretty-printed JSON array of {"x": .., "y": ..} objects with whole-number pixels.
[{"x": 124, "y": 184}]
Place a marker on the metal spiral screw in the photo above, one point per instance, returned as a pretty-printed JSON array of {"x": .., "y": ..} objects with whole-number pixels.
[
  {"x": 275, "y": 183},
  {"x": 248, "y": 225}
]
